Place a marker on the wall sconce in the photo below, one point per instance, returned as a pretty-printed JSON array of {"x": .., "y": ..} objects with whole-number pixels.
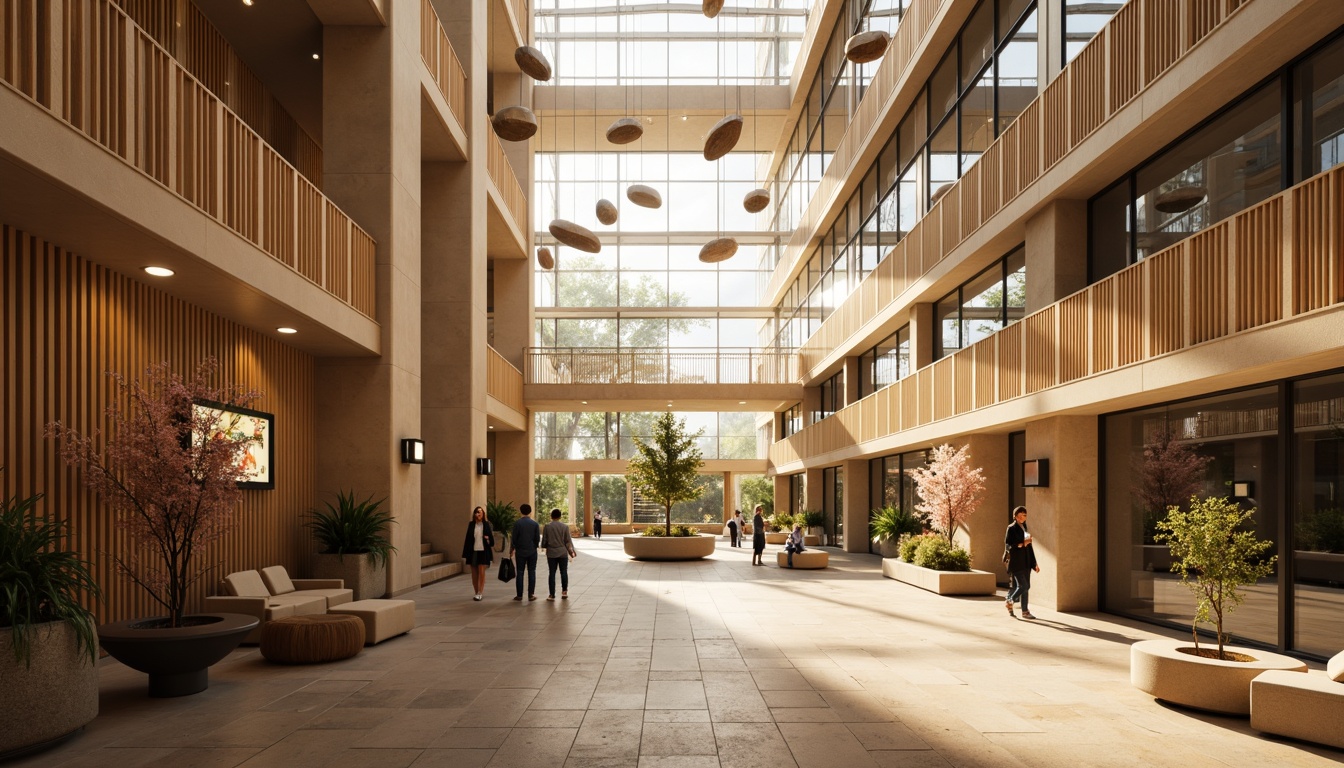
[
  {"x": 412, "y": 451},
  {"x": 485, "y": 466},
  {"x": 1243, "y": 489},
  {"x": 1036, "y": 473}
]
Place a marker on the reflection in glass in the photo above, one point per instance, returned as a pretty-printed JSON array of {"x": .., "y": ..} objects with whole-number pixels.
[{"x": 1318, "y": 515}]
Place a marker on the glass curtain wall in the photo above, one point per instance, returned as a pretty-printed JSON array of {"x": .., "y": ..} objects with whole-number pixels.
[
  {"x": 988, "y": 302},
  {"x": 751, "y": 490},
  {"x": 610, "y": 496},
  {"x": 607, "y": 435},
  {"x": 886, "y": 363},
  {"x": 891, "y": 483}
]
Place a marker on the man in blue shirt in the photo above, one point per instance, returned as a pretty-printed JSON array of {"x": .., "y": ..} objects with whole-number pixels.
[{"x": 523, "y": 549}]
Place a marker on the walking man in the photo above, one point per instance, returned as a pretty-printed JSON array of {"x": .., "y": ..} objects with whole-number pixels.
[
  {"x": 559, "y": 551},
  {"x": 597, "y": 522},
  {"x": 523, "y": 549}
]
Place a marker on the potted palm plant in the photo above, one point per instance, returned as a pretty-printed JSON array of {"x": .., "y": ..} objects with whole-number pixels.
[
  {"x": 49, "y": 652},
  {"x": 353, "y": 544},
  {"x": 887, "y": 525},
  {"x": 502, "y": 515},
  {"x": 169, "y": 473}
]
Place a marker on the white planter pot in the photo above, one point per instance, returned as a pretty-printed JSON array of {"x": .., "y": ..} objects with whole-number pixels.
[
  {"x": 368, "y": 581},
  {"x": 1159, "y": 668},
  {"x": 941, "y": 582},
  {"x": 669, "y": 547},
  {"x": 53, "y": 697}
]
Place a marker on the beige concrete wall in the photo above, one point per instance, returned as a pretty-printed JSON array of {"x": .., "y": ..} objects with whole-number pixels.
[
  {"x": 857, "y": 504},
  {"x": 984, "y": 530},
  {"x": 1056, "y": 252},
  {"x": 1063, "y": 517}
]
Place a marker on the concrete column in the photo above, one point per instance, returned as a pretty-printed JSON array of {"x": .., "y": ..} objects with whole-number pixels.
[
  {"x": 1056, "y": 252},
  {"x": 781, "y": 495},
  {"x": 983, "y": 534},
  {"x": 1063, "y": 517},
  {"x": 371, "y": 167},
  {"x": 1049, "y": 48},
  {"x": 514, "y": 480},
  {"x": 587, "y": 503},
  {"x": 853, "y": 372},
  {"x": 727, "y": 497},
  {"x": 814, "y": 493},
  {"x": 811, "y": 404},
  {"x": 923, "y": 331},
  {"x": 857, "y": 505}
]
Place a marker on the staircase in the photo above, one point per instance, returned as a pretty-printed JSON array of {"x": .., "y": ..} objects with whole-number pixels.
[{"x": 432, "y": 567}]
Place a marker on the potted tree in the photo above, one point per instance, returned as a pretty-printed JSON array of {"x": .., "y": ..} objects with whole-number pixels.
[
  {"x": 353, "y": 544},
  {"x": 1215, "y": 556},
  {"x": 812, "y": 520},
  {"x": 950, "y": 491},
  {"x": 887, "y": 525},
  {"x": 502, "y": 515},
  {"x": 169, "y": 473},
  {"x": 778, "y": 527},
  {"x": 665, "y": 471},
  {"x": 48, "y": 647}
]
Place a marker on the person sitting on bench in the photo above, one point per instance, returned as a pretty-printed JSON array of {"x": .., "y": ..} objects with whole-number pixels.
[{"x": 795, "y": 542}]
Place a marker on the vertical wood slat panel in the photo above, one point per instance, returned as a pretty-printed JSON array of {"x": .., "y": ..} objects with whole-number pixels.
[
  {"x": 985, "y": 383},
  {"x": 63, "y": 323},
  {"x": 1129, "y": 315},
  {"x": 1316, "y": 243},
  {"x": 1087, "y": 89},
  {"x": 1055, "y": 108},
  {"x": 1208, "y": 284},
  {"x": 1074, "y": 337},
  {"x": 943, "y": 405},
  {"x": 964, "y": 380},
  {"x": 1101, "y": 305},
  {"x": 1259, "y": 248},
  {"x": 1166, "y": 301},
  {"x": 1009, "y": 361},
  {"x": 1040, "y": 349}
]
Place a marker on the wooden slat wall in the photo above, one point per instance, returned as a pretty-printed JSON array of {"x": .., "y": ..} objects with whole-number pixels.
[
  {"x": 441, "y": 60},
  {"x": 503, "y": 382},
  {"x": 1140, "y": 42},
  {"x": 1227, "y": 278},
  {"x": 65, "y": 321},
  {"x": 122, "y": 89}
]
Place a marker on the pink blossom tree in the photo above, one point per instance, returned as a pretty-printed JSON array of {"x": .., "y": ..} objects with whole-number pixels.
[
  {"x": 1170, "y": 473},
  {"x": 950, "y": 489},
  {"x": 169, "y": 472}
]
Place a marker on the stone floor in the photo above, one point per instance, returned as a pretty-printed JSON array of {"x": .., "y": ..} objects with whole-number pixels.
[{"x": 688, "y": 665}]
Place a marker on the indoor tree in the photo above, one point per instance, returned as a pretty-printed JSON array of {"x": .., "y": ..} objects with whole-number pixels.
[
  {"x": 950, "y": 490},
  {"x": 667, "y": 466}
]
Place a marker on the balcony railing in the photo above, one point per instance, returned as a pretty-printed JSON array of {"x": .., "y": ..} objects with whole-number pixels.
[
  {"x": 1222, "y": 281},
  {"x": 566, "y": 365},
  {"x": 1142, "y": 41},
  {"x": 502, "y": 381},
  {"x": 506, "y": 181},
  {"x": 123, "y": 90},
  {"x": 442, "y": 62}
]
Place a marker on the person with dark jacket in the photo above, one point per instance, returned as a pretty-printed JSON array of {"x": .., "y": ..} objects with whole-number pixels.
[
  {"x": 758, "y": 537},
  {"x": 478, "y": 550},
  {"x": 1021, "y": 561},
  {"x": 526, "y": 537}
]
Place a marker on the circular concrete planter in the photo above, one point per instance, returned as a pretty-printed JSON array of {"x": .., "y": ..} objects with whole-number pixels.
[
  {"x": 177, "y": 659},
  {"x": 1159, "y": 668},
  {"x": 669, "y": 548},
  {"x": 776, "y": 538},
  {"x": 57, "y": 692}
]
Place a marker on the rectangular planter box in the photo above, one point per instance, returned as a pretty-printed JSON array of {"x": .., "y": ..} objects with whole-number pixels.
[{"x": 942, "y": 582}]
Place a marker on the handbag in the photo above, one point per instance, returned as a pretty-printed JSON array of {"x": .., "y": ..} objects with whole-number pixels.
[
  {"x": 506, "y": 569},
  {"x": 1007, "y": 556}
]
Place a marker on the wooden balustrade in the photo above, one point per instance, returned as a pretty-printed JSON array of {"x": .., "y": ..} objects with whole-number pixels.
[
  {"x": 503, "y": 381},
  {"x": 506, "y": 181},
  {"x": 1140, "y": 42},
  {"x": 1226, "y": 279},
  {"x": 442, "y": 62},
  {"x": 121, "y": 88}
]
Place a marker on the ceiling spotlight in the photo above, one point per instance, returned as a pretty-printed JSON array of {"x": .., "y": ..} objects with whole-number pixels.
[
  {"x": 285, "y": 330},
  {"x": 159, "y": 271},
  {"x": 316, "y": 56},
  {"x": 741, "y": 402},
  {"x": 585, "y": 402},
  {"x": 248, "y": 3},
  {"x": 490, "y": 426}
]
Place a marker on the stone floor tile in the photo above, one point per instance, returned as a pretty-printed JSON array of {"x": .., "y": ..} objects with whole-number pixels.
[
  {"x": 676, "y": 694},
  {"x": 793, "y": 699},
  {"x": 453, "y": 758},
  {"x": 471, "y": 738},
  {"x": 823, "y": 745},
  {"x": 752, "y": 745},
  {"x": 886, "y": 736},
  {"x": 607, "y": 734},
  {"x": 678, "y": 739},
  {"x": 679, "y": 761},
  {"x": 534, "y": 746}
]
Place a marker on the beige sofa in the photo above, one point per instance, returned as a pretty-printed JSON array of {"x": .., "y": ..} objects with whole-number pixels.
[
  {"x": 1308, "y": 707},
  {"x": 270, "y": 594}
]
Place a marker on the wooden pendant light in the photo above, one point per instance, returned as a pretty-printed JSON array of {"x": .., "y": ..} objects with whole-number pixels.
[
  {"x": 644, "y": 196},
  {"x": 533, "y": 63},
  {"x": 867, "y": 46},
  {"x": 606, "y": 212},
  {"x": 544, "y": 258},
  {"x": 1180, "y": 199},
  {"x": 723, "y": 137},
  {"x": 575, "y": 236},
  {"x": 756, "y": 200},
  {"x": 624, "y": 131},
  {"x": 721, "y": 249},
  {"x": 514, "y": 123},
  {"x": 711, "y": 8}
]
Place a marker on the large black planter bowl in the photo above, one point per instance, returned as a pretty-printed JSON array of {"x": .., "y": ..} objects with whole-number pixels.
[{"x": 177, "y": 659}]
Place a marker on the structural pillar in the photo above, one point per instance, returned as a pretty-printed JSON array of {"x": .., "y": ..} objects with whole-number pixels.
[
  {"x": 587, "y": 503},
  {"x": 923, "y": 331},
  {"x": 1063, "y": 516},
  {"x": 728, "y": 499},
  {"x": 1056, "y": 252},
  {"x": 984, "y": 530},
  {"x": 857, "y": 505}
]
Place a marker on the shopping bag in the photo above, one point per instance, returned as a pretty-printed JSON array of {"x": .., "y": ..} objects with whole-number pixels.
[{"x": 506, "y": 569}]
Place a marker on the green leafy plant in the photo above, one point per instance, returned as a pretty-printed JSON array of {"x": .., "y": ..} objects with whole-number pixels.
[
  {"x": 780, "y": 521},
  {"x": 1215, "y": 557},
  {"x": 1321, "y": 530},
  {"x": 890, "y": 523},
  {"x": 758, "y": 489},
  {"x": 352, "y": 527},
  {"x": 40, "y": 580},
  {"x": 502, "y": 515},
  {"x": 811, "y": 518},
  {"x": 677, "y": 531},
  {"x": 909, "y": 543},
  {"x": 938, "y": 554},
  {"x": 667, "y": 467}
]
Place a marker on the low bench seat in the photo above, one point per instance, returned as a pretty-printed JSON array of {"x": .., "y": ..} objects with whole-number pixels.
[
  {"x": 382, "y": 619},
  {"x": 807, "y": 559},
  {"x": 1307, "y": 706}
]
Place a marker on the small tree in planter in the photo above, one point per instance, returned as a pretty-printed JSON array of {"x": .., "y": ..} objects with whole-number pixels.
[
  {"x": 502, "y": 515},
  {"x": 1214, "y": 557},
  {"x": 667, "y": 466},
  {"x": 358, "y": 529},
  {"x": 950, "y": 489}
]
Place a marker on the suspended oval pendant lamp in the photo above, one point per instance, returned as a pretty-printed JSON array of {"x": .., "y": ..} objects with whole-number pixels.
[
  {"x": 624, "y": 131},
  {"x": 721, "y": 249},
  {"x": 723, "y": 137},
  {"x": 606, "y": 212},
  {"x": 1180, "y": 199},
  {"x": 756, "y": 200},
  {"x": 575, "y": 236},
  {"x": 544, "y": 258},
  {"x": 711, "y": 8},
  {"x": 514, "y": 123},
  {"x": 533, "y": 63},
  {"x": 867, "y": 46},
  {"x": 645, "y": 196}
]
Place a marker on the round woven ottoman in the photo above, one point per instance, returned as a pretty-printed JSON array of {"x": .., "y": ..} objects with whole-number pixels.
[{"x": 311, "y": 639}]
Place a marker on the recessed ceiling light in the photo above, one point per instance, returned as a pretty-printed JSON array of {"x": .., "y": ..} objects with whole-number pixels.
[
  {"x": 490, "y": 427},
  {"x": 159, "y": 271},
  {"x": 248, "y": 3},
  {"x": 585, "y": 402},
  {"x": 316, "y": 56},
  {"x": 741, "y": 402},
  {"x": 285, "y": 330}
]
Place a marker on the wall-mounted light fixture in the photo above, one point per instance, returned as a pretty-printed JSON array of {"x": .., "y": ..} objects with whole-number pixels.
[
  {"x": 412, "y": 451},
  {"x": 1243, "y": 489},
  {"x": 1036, "y": 473},
  {"x": 485, "y": 466}
]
